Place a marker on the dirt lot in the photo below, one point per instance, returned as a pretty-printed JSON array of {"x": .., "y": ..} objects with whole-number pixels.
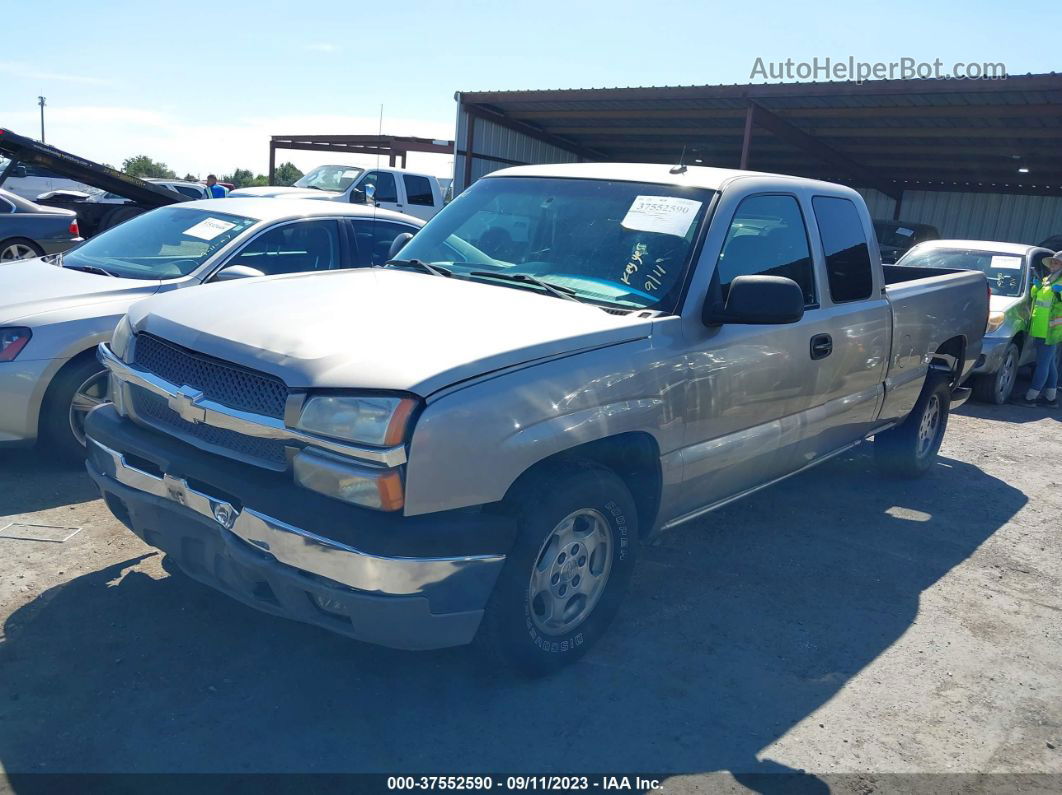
[{"x": 836, "y": 624}]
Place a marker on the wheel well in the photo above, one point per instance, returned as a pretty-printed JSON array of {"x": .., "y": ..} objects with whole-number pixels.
[
  {"x": 1019, "y": 340},
  {"x": 950, "y": 355},
  {"x": 634, "y": 457},
  {"x": 72, "y": 362}
]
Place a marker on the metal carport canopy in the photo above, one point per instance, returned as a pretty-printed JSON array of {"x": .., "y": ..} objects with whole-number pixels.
[{"x": 893, "y": 135}]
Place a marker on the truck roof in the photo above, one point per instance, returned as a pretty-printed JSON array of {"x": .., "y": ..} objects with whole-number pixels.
[
  {"x": 693, "y": 176},
  {"x": 986, "y": 245},
  {"x": 280, "y": 209}
]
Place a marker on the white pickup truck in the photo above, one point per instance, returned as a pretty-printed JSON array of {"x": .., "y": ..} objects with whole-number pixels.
[
  {"x": 419, "y": 195},
  {"x": 475, "y": 440}
]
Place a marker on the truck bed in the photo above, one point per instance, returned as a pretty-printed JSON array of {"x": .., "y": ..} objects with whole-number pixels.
[{"x": 934, "y": 310}]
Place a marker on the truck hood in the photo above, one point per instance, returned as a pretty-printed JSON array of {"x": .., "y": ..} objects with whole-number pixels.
[
  {"x": 1003, "y": 303},
  {"x": 33, "y": 287},
  {"x": 272, "y": 191},
  {"x": 379, "y": 328}
]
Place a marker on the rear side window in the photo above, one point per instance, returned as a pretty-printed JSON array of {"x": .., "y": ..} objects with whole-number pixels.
[
  {"x": 845, "y": 245},
  {"x": 418, "y": 190},
  {"x": 190, "y": 192},
  {"x": 767, "y": 238}
]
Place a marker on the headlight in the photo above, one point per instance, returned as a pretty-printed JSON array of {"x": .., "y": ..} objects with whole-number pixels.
[
  {"x": 367, "y": 419},
  {"x": 12, "y": 341},
  {"x": 995, "y": 320},
  {"x": 123, "y": 333}
]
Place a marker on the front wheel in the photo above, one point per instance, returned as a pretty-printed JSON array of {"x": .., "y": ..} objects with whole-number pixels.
[
  {"x": 909, "y": 449},
  {"x": 74, "y": 393},
  {"x": 568, "y": 570},
  {"x": 996, "y": 387}
]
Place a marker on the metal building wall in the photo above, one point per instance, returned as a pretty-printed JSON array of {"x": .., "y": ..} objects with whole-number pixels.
[
  {"x": 509, "y": 146},
  {"x": 986, "y": 216}
]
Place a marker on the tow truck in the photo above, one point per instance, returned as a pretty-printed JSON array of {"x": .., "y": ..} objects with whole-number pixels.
[{"x": 93, "y": 217}]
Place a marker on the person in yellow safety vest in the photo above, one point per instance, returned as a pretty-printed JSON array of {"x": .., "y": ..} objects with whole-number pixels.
[{"x": 1046, "y": 330}]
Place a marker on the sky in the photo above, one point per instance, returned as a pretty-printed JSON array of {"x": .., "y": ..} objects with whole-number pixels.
[{"x": 202, "y": 86}]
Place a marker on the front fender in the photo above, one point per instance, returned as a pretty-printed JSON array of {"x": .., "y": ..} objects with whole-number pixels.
[{"x": 471, "y": 445}]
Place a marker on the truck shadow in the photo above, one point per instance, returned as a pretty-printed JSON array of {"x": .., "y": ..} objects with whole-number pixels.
[
  {"x": 43, "y": 482},
  {"x": 737, "y": 628}
]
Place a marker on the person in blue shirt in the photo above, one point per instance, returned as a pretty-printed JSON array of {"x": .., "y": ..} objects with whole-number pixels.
[{"x": 216, "y": 191}]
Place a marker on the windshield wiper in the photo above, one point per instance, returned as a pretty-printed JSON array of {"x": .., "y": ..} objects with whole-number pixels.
[
  {"x": 567, "y": 293},
  {"x": 86, "y": 269},
  {"x": 427, "y": 267}
]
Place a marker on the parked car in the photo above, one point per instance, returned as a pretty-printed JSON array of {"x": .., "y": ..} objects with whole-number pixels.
[
  {"x": 1011, "y": 269},
  {"x": 393, "y": 189},
  {"x": 53, "y": 313},
  {"x": 457, "y": 444},
  {"x": 28, "y": 230},
  {"x": 29, "y": 180},
  {"x": 895, "y": 238}
]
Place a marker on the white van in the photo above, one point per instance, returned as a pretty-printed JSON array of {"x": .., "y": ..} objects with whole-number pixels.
[{"x": 30, "y": 181}]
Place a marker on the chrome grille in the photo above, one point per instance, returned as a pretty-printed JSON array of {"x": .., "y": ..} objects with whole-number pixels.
[
  {"x": 154, "y": 411},
  {"x": 229, "y": 384}
]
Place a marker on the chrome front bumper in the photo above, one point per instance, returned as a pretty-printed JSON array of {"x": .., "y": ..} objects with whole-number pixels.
[{"x": 404, "y": 602}]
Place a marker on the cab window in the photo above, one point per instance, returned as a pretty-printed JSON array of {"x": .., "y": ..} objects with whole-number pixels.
[{"x": 768, "y": 238}]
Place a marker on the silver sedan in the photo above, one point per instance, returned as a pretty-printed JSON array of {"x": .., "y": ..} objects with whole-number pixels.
[{"x": 55, "y": 310}]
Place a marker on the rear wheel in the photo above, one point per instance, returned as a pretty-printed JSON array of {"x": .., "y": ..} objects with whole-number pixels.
[
  {"x": 568, "y": 570},
  {"x": 18, "y": 248},
  {"x": 997, "y": 387},
  {"x": 909, "y": 449}
]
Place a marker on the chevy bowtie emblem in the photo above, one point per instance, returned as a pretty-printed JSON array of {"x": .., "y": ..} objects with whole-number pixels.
[{"x": 185, "y": 403}]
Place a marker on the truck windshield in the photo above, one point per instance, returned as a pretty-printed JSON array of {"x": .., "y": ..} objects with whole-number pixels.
[
  {"x": 166, "y": 243},
  {"x": 622, "y": 244},
  {"x": 329, "y": 178},
  {"x": 1004, "y": 271}
]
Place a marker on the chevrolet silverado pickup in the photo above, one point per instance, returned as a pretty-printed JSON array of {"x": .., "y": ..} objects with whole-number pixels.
[{"x": 471, "y": 442}]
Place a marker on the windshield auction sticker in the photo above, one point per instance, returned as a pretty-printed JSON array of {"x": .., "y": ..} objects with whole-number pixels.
[
  {"x": 209, "y": 228},
  {"x": 665, "y": 215},
  {"x": 1008, "y": 263}
]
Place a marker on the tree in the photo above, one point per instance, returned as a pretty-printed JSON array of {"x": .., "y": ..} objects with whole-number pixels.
[
  {"x": 287, "y": 173},
  {"x": 143, "y": 166},
  {"x": 244, "y": 178},
  {"x": 191, "y": 178}
]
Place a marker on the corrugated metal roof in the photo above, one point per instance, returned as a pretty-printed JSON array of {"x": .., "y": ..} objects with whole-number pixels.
[{"x": 926, "y": 133}]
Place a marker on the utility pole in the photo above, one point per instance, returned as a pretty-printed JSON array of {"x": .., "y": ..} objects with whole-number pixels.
[{"x": 40, "y": 101}]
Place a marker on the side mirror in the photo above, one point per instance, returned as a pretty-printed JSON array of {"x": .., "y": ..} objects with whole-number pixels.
[
  {"x": 357, "y": 196},
  {"x": 237, "y": 272},
  {"x": 363, "y": 195},
  {"x": 398, "y": 244},
  {"x": 19, "y": 171},
  {"x": 758, "y": 300}
]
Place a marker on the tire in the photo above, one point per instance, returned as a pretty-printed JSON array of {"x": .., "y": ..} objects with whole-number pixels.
[
  {"x": 62, "y": 419},
  {"x": 909, "y": 449},
  {"x": 16, "y": 248},
  {"x": 997, "y": 387},
  {"x": 572, "y": 519}
]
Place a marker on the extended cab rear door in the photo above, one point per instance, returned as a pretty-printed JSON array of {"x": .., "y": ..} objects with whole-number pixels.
[{"x": 850, "y": 332}]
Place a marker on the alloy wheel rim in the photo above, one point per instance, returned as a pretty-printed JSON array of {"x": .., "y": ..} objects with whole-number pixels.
[
  {"x": 927, "y": 428},
  {"x": 17, "y": 251},
  {"x": 570, "y": 572},
  {"x": 1006, "y": 377},
  {"x": 91, "y": 393}
]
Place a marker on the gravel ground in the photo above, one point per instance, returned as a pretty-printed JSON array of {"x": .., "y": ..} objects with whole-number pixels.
[{"x": 841, "y": 624}]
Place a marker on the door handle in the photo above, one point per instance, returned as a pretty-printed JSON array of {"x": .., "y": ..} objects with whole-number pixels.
[{"x": 821, "y": 346}]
